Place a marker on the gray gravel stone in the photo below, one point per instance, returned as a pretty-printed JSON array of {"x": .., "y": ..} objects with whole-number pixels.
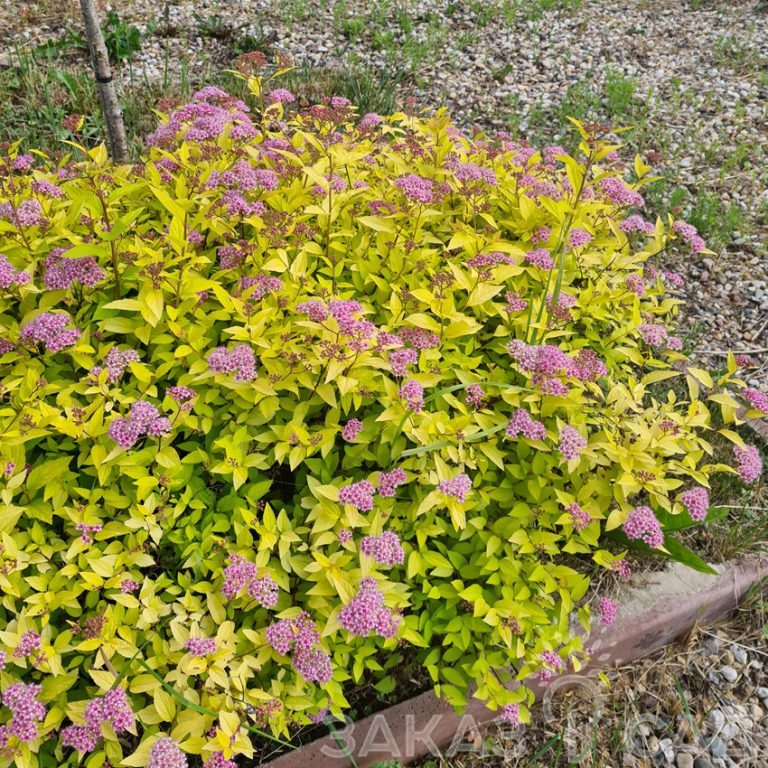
[
  {"x": 729, "y": 674},
  {"x": 718, "y": 747},
  {"x": 739, "y": 654}
]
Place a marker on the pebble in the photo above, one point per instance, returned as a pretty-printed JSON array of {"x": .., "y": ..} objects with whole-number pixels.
[
  {"x": 718, "y": 747},
  {"x": 684, "y": 760},
  {"x": 762, "y": 692},
  {"x": 716, "y": 719},
  {"x": 702, "y": 762},
  {"x": 729, "y": 673},
  {"x": 666, "y": 747},
  {"x": 739, "y": 654}
]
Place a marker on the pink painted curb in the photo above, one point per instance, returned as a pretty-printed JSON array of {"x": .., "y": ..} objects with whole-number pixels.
[{"x": 665, "y": 606}]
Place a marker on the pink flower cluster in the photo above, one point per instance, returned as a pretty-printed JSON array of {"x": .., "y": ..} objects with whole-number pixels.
[
  {"x": 607, "y": 609},
  {"x": 384, "y": 549},
  {"x": 757, "y": 399},
  {"x": 343, "y": 312},
  {"x": 237, "y": 205},
  {"x": 217, "y": 760},
  {"x": 541, "y": 235},
  {"x": 654, "y": 335},
  {"x": 416, "y": 188},
  {"x": 399, "y": 359},
  {"x": 750, "y": 463},
  {"x": 571, "y": 443},
  {"x": 621, "y": 568},
  {"x": 636, "y": 284},
  {"x": 116, "y": 362},
  {"x": 413, "y": 394},
  {"x": 200, "y": 646},
  {"x": 514, "y": 302},
  {"x": 551, "y": 664},
  {"x": 580, "y": 518},
  {"x": 618, "y": 193},
  {"x": 61, "y": 273},
  {"x": 309, "y": 660},
  {"x": 86, "y": 531},
  {"x": 211, "y": 113},
  {"x": 46, "y": 188},
  {"x": 560, "y": 310},
  {"x": 457, "y": 487},
  {"x": 112, "y": 708},
  {"x": 419, "y": 338},
  {"x": 320, "y": 715},
  {"x": 484, "y": 263},
  {"x": 636, "y": 223},
  {"x": 259, "y": 286},
  {"x": 29, "y": 643},
  {"x": 579, "y": 237},
  {"x": 547, "y": 362},
  {"x": 50, "y": 329},
  {"x": 366, "y": 613},
  {"x": 345, "y": 536},
  {"x": 674, "y": 279},
  {"x": 264, "y": 713},
  {"x": 359, "y": 495},
  {"x": 9, "y": 275},
  {"x": 182, "y": 395},
  {"x": 143, "y": 419},
  {"x": 475, "y": 396},
  {"x": 28, "y": 214},
  {"x": 522, "y": 423},
  {"x": 315, "y": 310},
  {"x": 389, "y": 481},
  {"x": 540, "y": 258},
  {"x": 642, "y": 524},
  {"x": 128, "y": 586},
  {"x": 166, "y": 753},
  {"x": 696, "y": 501},
  {"x": 280, "y": 96},
  {"x": 22, "y": 162},
  {"x": 469, "y": 173},
  {"x": 242, "y": 574},
  {"x": 230, "y": 256},
  {"x": 352, "y": 429},
  {"x": 370, "y": 119},
  {"x": 239, "y": 361},
  {"x": 690, "y": 235},
  {"x": 26, "y": 711},
  {"x": 510, "y": 713}
]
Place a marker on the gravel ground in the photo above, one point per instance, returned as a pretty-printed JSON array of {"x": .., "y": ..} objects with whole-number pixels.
[
  {"x": 701, "y": 702},
  {"x": 700, "y": 73}
]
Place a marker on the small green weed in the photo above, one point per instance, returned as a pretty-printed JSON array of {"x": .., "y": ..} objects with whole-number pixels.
[
  {"x": 619, "y": 95},
  {"x": 122, "y": 40}
]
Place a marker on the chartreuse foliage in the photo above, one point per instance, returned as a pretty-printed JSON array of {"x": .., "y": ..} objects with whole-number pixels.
[{"x": 117, "y": 527}]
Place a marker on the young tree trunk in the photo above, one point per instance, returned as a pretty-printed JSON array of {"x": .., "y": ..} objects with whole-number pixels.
[{"x": 113, "y": 117}]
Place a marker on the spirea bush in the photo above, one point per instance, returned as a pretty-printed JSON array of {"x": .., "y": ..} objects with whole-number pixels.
[{"x": 299, "y": 400}]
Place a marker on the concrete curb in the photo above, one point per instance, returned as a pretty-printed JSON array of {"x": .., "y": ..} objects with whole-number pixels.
[{"x": 663, "y": 607}]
